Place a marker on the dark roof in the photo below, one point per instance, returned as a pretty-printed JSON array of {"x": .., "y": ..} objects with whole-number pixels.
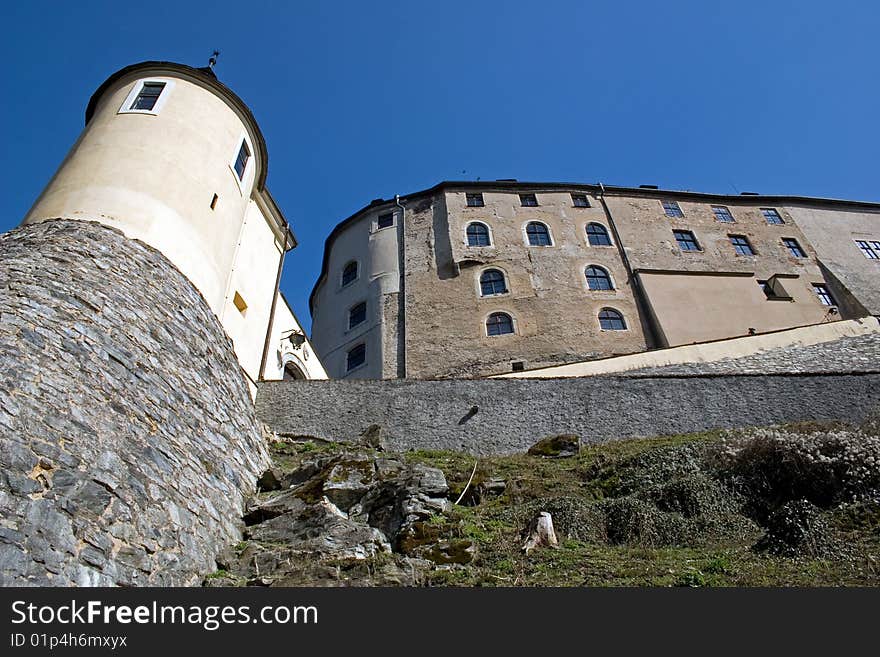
[
  {"x": 207, "y": 78},
  {"x": 646, "y": 191}
]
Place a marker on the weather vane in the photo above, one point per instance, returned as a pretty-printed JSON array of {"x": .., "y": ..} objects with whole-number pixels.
[{"x": 213, "y": 60}]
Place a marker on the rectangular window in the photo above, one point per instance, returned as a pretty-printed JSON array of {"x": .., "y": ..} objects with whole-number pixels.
[
  {"x": 741, "y": 245},
  {"x": 357, "y": 356},
  {"x": 824, "y": 295},
  {"x": 793, "y": 247},
  {"x": 385, "y": 220},
  {"x": 528, "y": 200},
  {"x": 244, "y": 154},
  {"x": 772, "y": 216},
  {"x": 722, "y": 213},
  {"x": 147, "y": 96},
  {"x": 672, "y": 210},
  {"x": 871, "y": 250},
  {"x": 687, "y": 241},
  {"x": 357, "y": 315},
  {"x": 580, "y": 200},
  {"x": 475, "y": 200}
]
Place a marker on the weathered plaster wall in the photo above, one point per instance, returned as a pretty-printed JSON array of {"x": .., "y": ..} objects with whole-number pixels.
[
  {"x": 498, "y": 416},
  {"x": 555, "y": 313},
  {"x": 127, "y": 433}
]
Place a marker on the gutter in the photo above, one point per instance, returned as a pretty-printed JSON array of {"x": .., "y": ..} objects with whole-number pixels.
[
  {"x": 284, "y": 249},
  {"x": 401, "y": 303}
]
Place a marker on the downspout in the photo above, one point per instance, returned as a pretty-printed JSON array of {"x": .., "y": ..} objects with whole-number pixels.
[
  {"x": 401, "y": 304},
  {"x": 653, "y": 336},
  {"x": 272, "y": 310}
]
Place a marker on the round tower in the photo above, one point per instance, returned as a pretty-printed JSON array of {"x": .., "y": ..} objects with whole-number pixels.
[{"x": 172, "y": 157}]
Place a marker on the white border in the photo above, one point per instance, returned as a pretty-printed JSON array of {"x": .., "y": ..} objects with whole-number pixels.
[
  {"x": 619, "y": 312},
  {"x": 586, "y": 283},
  {"x": 597, "y": 246},
  {"x": 491, "y": 244},
  {"x": 244, "y": 184},
  {"x": 513, "y": 322},
  {"x": 136, "y": 89},
  {"x": 506, "y": 276},
  {"x": 538, "y": 246}
]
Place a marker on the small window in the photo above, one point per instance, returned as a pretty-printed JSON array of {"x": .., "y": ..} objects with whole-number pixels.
[
  {"x": 871, "y": 250},
  {"x": 349, "y": 273},
  {"x": 478, "y": 235},
  {"x": 214, "y": 202},
  {"x": 671, "y": 209},
  {"x": 611, "y": 320},
  {"x": 772, "y": 216},
  {"x": 528, "y": 200},
  {"x": 538, "y": 234},
  {"x": 598, "y": 278},
  {"x": 687, "y": 241},
  {"x": 357, "y": 315},
  {"x": 580, "y": 200},
  {"x": 793, "y": 247},
  {"x": 475, "y": 200},
  {"x": 517, "y": 366},
  {"x": 147, "y": 96},
  {"x": 741, "y": 245},
  {"x": 356, "y": 356},
  {"x": 385, "y": 220},
  {"x": 499, "y": 324},
  {"x": 492, "y": 282},
  {"x": 722, "y": 214},
  {"x": 597, "y": 235},
  {"x": 239, "y": 302},
  {"x": 824, "y": 295},
  {"x": 244, "y": 154}
]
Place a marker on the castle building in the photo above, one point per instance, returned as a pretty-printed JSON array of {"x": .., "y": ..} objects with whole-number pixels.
[
  {"x": 480, "y": 278},
  {"x": 172, "y": 157}
]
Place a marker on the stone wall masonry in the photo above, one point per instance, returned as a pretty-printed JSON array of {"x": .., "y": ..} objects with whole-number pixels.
[
  {"x": 502, "y": 416},
  {"x": 127, "y": 434}
]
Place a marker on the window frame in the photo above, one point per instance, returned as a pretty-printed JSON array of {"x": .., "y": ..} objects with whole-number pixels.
[
  {"x": 574, "y": 200},
  {"x": 776, "y": 213},
  {"x": 504, "y": 281},
  {"x": 606, "y": 233},
  {"x": 349, "y": 368},
  {"x": 478, "y": 196},
  {"x": 494, "y": 313},
  {"x": 612, "y": 287},
  {"x": 620, "y": 317},
  {"x": 246, "y": 178},
  {"x": 467, "y": 237},
  {"x": 528, "y": 238},
  {"x": 136, "y": 90},
  {"x": 822, "y": 293},
  {"x": 351, "y": 310},
  {"x": 791, "y": 244},
  {"x": 871, "y": 250},
  {"x": 738, "y": 246},
  {"x": 357, "y": 273},
  {"x": 675, "y": 234},
  {"x": 724, "y": 210},
  {"x": 384, "y": 215},
  {"x": 532, "y": 197},
  {"x": 676, "y": 213}
]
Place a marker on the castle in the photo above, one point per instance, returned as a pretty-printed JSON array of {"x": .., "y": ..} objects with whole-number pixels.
[
  {"x": 141, "y": 320},
  {"x": 482, "y": 278}
]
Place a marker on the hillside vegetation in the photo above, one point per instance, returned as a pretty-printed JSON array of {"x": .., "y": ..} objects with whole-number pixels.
[{"x": 797, "y": 505}]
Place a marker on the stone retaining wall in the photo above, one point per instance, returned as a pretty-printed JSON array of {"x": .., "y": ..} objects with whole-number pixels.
[{"x": 127, "y": 433}]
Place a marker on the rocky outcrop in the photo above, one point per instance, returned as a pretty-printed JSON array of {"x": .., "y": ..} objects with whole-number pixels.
[{"x": 127, "y": 433}]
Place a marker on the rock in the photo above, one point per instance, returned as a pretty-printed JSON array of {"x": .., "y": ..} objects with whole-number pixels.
[
  {"x": 373, "y": 437},
  {"x": 270, "y": 480},
  {"x": 457, "y": 551},
  {"x": 491, "y": 487},
  {"x": 560, "y": 446},
  {"x": 349, "y": 481}
]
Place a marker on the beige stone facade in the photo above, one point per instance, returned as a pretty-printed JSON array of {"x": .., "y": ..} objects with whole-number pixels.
[{"x": 682, "y": 268}]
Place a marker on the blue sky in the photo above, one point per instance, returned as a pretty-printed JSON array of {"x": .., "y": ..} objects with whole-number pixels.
[{"x": 360, "y": 100}]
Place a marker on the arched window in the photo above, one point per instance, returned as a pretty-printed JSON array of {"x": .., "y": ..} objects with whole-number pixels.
[
  {"x": 492, "y": 282},
  {"x": 349, "y": 273},
  {"x": 499, "y": 324},
  {"x": 597, "y": 235},
  {"x": 478, "y": 234},
  {"x": 293, "y": 372},
  {"x": 598, "y": 278},
  {"x": 538, "y": 234},
  {"x": 356, "y": 356},
  {"x": 611, "y": 320}
]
